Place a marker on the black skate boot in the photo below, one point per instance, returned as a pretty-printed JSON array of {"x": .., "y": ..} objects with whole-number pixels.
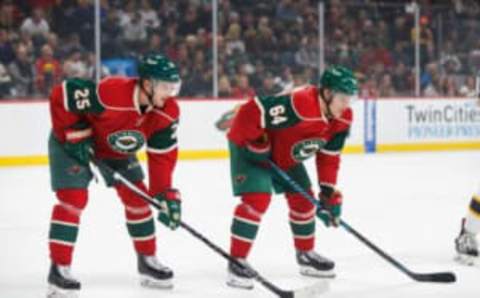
[
  {"x": 467, "y": 247},
  {"x": 153, "y": 274},
  {"x": 239, "y": 277},
  {"x": 61, "y": 283},
  {"x": 313, "y": 264}
]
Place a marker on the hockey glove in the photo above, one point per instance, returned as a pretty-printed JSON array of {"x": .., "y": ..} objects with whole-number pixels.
[
  {"x": 258, "y": 151},
  {"x": 331, "y": 201},
  {"x": 171, "y": 212},
  {"x": 79, "y": 145}
]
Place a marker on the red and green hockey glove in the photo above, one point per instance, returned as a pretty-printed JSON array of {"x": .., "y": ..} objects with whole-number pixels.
[
  {"x": 331, "y": 201},
  {"x": 259, "y": 150},
  {"x": 79, "y": 144},
  {"x": 171, "y": 213}
]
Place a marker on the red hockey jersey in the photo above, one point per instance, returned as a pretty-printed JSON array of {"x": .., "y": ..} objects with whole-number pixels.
[
  {"x": 119, "y": 128},
  {"x": 297, "y": 129}
]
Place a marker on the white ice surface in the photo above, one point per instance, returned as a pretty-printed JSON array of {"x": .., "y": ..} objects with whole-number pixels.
[{"x": 408, "y": 204}]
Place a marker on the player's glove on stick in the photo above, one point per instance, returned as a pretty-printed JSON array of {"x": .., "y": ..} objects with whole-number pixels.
[
  {"x": 79, "y": 144},
  {"x": 171, "y": 212},
  {"x": 331, "y": 201}
]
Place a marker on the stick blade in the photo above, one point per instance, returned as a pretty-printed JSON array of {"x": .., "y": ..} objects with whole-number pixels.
[{"x": 443, "y": 277}]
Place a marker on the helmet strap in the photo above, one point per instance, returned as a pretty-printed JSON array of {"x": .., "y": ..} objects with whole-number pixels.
[
  {"x": 149, "y": 93},
  {"x": 327, "y": 102}
]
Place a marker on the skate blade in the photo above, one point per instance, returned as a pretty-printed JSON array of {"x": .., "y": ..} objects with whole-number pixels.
[
  {"x": 239, "y": 282},
  {"x": 311, "y": 272},
  {"x": 149, "y": 282},
  {"x": 467, "y": 260},
  {"x": 56, "y": 292}
]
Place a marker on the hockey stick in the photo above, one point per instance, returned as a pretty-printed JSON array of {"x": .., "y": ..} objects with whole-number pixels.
[
  {"x": 305, "y": 292},
  {"x": 443, "y": 277}
]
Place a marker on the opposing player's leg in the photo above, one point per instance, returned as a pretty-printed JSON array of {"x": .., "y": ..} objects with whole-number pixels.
[
  {"x": 466, "y": 243},
  {"x": 70, "y": 181},
  {"x": 253, "y": 184}
]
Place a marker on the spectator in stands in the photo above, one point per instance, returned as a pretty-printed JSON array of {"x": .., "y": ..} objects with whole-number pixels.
[
  {"x": 91, "y": 68},
  {"x": 48, "y": 71},
  {"x": 10, "y": 15},
  {"x": 400, "y": 32},
  {"x": 269, "y": 85},
  {"x": 5, "y": 82},
  {"x": 7, "y": 55},
  {"x": 25, "y": 39},
  {"x": 233, "y": 39},
  {"x": 286, "y": 11},
  {"x": 149, "y": 16},
  {"x": 449, "y": 59},
  {"x": 52, "y": 40},
  {"x": 265, "y": 41},
  {"x": 21, "y": 70},
  {"x": 402, "y": 79},
  {"x": 74, "y": 66},
  {"x": 429, "y": 75},
  {"x": 448, "y": 86},
  {"x": 189, "y": 22},
  {"x": 224, "y": 87},
  {"x": 307, "y": 55},
  {"x": 154, "y": 44},
  {"x": 427, "y": 47},
  {"x": 82, "y": 22},
  {"x": 135, "y": 32},
  {"x": 242, "y": 88},
  {"x": 401, "y": 54},
  {"x": 112, "y": 46},
  {"x": 468, "y": 89},
  {"x": 36, "y": 25},
  {"x": 434, "y": 87},
  {"x": 385, "y": 87},
  {"x": 200, "y": 77},
  {"x": 71, "y": 44}
]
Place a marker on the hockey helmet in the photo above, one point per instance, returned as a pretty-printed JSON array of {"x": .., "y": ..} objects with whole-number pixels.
[
  {"x": 339, "y": 79},
  {"x": 160, "y": 69}
]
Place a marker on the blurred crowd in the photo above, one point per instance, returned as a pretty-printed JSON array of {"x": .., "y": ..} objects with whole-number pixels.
[{"x": 264, "y": 46}]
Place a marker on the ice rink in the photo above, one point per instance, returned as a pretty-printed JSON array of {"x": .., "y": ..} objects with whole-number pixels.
[{"x": 408, "y": 204}]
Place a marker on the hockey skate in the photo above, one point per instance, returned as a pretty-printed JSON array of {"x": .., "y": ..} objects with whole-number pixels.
[
  {"x": 153, "y": 274},
  {"x": 313, "y": 264},
  {"x": 239, "y": 277},
  {"x": 61, "y": 284},
  {"x": 467, "y": 247}
]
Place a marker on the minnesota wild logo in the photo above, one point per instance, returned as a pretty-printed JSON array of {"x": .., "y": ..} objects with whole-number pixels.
[
  {"x": 126, "y": 141},
  {"x": 305, "y": 149}
]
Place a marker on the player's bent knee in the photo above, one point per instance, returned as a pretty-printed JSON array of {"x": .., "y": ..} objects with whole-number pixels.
[
  {"x": 130, "y": 199},
  {"x": 299, "y": 204},
  {"x": 73, "y": 200},
  {"x": 257, "y": 202}
]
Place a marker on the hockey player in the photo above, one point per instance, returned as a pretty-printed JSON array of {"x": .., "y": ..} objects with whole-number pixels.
[
  {"x": 466, "y": 243},
  {"x": 113, "y": 120},
  {"x": 288, "y": 129}
]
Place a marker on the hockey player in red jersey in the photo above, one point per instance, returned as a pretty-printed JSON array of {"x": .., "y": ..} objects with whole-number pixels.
[
  {"x": 113, "y": 120},
  {"x": 288, "y": 129}
]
